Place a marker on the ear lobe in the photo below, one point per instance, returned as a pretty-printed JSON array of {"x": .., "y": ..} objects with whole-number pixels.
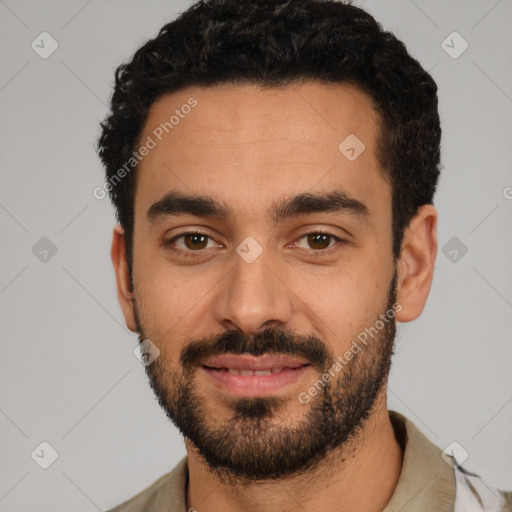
[
  {"x": 416, "y": 263},
  {"x": 123, "y": 281}
]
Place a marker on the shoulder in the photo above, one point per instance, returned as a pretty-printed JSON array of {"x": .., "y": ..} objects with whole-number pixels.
[
  {"x": 443, "y": 483},
  {"x": 166, "y": 492},
  {"x": 473, "y": 493}
]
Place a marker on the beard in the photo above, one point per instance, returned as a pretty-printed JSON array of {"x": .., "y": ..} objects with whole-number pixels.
[{"x": 255, "y": 442}]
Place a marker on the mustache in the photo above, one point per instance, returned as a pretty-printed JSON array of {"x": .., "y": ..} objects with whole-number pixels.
[{"x": 269, "y": 341}]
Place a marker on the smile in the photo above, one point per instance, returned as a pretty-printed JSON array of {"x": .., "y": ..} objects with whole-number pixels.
[{"x": 253, "y": 376}]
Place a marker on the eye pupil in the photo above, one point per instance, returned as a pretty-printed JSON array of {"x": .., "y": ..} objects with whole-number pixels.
[
  {"x": 196, "y": 240},
  {"x": 319, "y": 239}
]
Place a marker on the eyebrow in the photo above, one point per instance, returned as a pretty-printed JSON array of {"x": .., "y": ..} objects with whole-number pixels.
[{"x": 335, "y": 201}]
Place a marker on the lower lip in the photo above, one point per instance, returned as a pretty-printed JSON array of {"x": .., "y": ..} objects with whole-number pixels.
[{"x": 255, "y": 385}]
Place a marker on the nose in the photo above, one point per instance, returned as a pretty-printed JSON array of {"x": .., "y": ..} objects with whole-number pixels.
[{"x": 254, "y": 296}]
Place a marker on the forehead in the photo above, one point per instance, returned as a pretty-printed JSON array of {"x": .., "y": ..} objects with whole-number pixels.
[{"x": 246, "y": 146}]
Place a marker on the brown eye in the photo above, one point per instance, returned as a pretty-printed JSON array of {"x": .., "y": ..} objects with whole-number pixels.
[
  {"x": 195, "y": 241},
  {"x": 189, "y": 243},
  {"x": 319, "y": 240}
]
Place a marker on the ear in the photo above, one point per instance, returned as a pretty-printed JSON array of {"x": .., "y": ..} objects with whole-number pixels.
[
  {"x": 416, "y": 263},
  {"x": 124, "y": 293}
]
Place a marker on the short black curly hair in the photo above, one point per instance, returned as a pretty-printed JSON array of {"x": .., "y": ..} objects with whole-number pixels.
[{"x": 274, "y": 43}]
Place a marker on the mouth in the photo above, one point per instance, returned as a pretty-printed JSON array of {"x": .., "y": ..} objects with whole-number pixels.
[
  {"x": 247, "y": 375},
  {"x": 254, "y": 365},
  {"x": 235, "y": 371}
]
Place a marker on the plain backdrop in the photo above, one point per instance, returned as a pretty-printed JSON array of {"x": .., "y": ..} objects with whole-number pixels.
[{"x": 68, "y": 373}]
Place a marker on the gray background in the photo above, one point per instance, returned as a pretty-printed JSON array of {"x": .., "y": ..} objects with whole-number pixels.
[{"x": 68, "y": 373}]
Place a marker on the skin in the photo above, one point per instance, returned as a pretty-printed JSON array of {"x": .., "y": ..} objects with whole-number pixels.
[{"x": 248, "y": 147}]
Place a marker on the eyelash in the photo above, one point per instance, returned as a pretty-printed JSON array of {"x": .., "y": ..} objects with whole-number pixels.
[{"x": 200, "y": 252}]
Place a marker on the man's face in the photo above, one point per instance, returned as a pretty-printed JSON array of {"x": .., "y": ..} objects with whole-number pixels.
[{"x": 301, "y": 281}]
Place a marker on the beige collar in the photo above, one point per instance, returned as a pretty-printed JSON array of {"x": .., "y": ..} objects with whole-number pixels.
[{"x": 426, "y": 481}]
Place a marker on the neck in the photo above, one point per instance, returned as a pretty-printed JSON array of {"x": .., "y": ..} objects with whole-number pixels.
[{"x": 361, "y": 476}]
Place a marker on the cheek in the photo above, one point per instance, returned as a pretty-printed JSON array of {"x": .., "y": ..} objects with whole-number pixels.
[
  {"x": 173, "y": 301},
  {"x": 164, "y": 300},
  {"x": 345, "y": 301}
]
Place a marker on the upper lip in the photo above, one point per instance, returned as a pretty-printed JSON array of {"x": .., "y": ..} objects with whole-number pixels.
[{"x": 248, "y": 362}]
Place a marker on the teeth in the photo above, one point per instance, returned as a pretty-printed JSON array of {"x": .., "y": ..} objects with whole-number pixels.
[{"x": 234, "y": 371}]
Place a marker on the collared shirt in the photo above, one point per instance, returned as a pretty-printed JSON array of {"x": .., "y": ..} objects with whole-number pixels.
[{"x": 430, "y": 481}]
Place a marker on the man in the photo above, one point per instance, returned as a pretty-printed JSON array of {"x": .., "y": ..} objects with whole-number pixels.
[{"x": 273, "y": 165}]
